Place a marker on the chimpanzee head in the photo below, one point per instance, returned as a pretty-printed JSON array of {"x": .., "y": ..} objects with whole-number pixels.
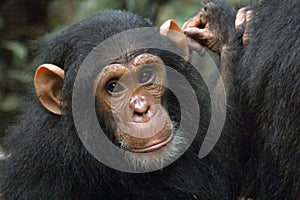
[{"x": 133, "y": 106}]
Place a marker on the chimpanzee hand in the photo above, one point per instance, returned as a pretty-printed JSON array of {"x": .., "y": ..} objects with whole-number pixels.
[
  {"x": 211, "y": 26},
  {"x": 243, "y": 21}
]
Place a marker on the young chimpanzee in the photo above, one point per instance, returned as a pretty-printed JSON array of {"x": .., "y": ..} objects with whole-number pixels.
[
  {"x": 265, "y": 90},
  {"x": 46, "y": 156}
]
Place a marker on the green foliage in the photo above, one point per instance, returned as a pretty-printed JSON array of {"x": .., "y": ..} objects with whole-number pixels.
[
  {"x": 17, "y": 49},
  {"x": 13, "y": 79},
  {"x": 88, "y": 7}
]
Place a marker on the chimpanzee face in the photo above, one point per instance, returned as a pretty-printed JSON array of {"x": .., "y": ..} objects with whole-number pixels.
[
  {"x": 133, "y": 92},
  {"x": 130, "y": 100}
]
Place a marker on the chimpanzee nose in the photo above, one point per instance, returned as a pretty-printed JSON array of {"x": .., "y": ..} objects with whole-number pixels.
[{"x": 140, "y": 108}]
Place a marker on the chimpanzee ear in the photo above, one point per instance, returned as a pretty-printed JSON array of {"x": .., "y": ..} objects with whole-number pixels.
[
  {"x": 172, "y": 30},
  {"x": 48, "y": 82}
]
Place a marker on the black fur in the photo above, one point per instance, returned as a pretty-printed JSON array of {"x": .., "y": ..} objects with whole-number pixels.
[
  {"x": 264, "y": 97},
  {"x": 263, "y": 79},
  {"x": 268, "y": 80}
]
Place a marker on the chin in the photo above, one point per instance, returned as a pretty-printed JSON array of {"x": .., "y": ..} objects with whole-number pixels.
[{"x": 159, "y": 158}]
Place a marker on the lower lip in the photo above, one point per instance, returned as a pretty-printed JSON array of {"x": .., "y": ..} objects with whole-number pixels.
[{"x": 153, "y": 147}]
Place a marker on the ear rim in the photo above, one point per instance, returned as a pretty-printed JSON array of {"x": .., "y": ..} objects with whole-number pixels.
[
  {"x": 48, "y": 79},
  {"x": 170, "y": 26}
]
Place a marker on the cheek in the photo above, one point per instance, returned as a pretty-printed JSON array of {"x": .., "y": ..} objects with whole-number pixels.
[
  {"x": 106, "y": 121},
  {"x": 157, "y": 93},
  {"x": 103, "y": 102}
]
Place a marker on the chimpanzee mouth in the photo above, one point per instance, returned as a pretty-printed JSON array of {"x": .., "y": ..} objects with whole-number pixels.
[{"x": 154, "y": 146}]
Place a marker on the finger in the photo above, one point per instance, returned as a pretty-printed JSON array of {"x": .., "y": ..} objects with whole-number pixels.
[
  {"x": 248, "y": 31},
  {"x": 194, "y": 22},
  {"x": 249, "y": 15},
  {"x": 194, "y": 32},
  {"x": 199, "y": 20},
  {"x": 185, "y": 25},
  {"x": 198, "y": 34},
  {"x": 240, "y": 17}
]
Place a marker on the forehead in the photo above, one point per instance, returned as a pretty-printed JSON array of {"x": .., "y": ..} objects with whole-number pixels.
[
  {"x": 146, "y": 59},
  {"x": 138, "y": 59},
  {"x": 133, "y": 61}
]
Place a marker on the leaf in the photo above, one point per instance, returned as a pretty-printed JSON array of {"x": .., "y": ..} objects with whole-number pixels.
[
  {"x": 18, "y": 49},
  {"x": 10, "y": 103}
]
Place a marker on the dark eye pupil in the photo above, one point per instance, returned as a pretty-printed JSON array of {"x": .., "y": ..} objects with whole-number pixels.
[
  {"x": 146, "y": 76},
  {"x": 111, "y": 86},
  {"x": 114, "y": 87}
]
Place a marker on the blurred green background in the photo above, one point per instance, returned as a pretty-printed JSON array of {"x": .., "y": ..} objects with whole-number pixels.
[{"x": 23, "y": 21}]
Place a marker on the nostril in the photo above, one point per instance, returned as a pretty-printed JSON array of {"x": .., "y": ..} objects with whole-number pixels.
[
  {"x": 138, "y": 114},
  {"x": 140, "y": 108},
  {"x": 147, "y": 111},
  {"x": 142, "y": 117},
  {"x": 141, "y": 112}
]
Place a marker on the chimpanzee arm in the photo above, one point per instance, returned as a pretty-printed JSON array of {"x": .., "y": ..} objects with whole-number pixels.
[{"x": 214, "y": 27}]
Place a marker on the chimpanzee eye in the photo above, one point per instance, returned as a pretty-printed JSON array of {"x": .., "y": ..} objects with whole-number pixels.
[
  {"x": 113, "y": 87},
  {"x": 146, "y": 75}
]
